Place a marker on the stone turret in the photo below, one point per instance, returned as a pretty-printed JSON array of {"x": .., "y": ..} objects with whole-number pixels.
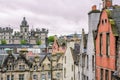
[
  {"x": 24, "y": 23},
  {"x": 24, "y": 27}
]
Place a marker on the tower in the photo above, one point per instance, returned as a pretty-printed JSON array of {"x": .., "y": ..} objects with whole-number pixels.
[{"x": 24, "y": 29}]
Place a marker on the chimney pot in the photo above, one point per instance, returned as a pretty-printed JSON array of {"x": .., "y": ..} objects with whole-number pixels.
[{"x": 94, "y": 7}]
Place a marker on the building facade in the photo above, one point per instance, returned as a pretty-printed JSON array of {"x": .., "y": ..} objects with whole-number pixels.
[
  {"x": 40, "y": 67},
  {"x": 24, "y": 36},
  {"x": 90, "y": 54},
  {"x": 83, "y": 63},
  {"x": 106, "y": 46},
  {"x": 70, "y": 62}
]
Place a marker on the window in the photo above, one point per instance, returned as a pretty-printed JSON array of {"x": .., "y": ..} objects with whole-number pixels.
[
  {"x": 105, "y": 20},
  {"x": 21, "y": 67},
  {"x": 101, "y": 44},
  {"x": 25, "y": 29},
  {"x": 21, "y": 76},
  {"x": 8, "y": 77},
  {"x": 42, "y": 76},
  {"x": 49, "y": 75},
  {"x": 87, "y": 78},
  {"x": 64, "y": 72},
  {"x": 83, "y": 61},
  {"x": 35, "y": 67},
  {"x": 35, "y": 77},
  {"x": 93, "y": 67},
  {"x": 58, "y": 75},
  {"x": 71, "y": 78},
  {"x": 10, "y": 67},
  {"x": 87, "y": 61},
  {"x": 106, "y": 75},
  {"x": 107, "y": 44},
  {"x": 102, "y": 21},
  {"x": 49, "y": 66},
  {"x": 72, "y": 67},
  {"x": 12, "y": 77},
  {"x": 42, "y": 67},
  {"x": 65, "y": 59},
  {"x": 101, "y": 74}
]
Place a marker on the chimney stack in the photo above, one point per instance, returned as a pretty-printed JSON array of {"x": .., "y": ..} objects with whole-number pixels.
[{"x": 107, "y": 3}]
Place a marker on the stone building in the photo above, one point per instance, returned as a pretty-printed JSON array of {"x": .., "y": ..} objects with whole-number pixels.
[
  {"x": 70, "y": 61},
  {"x": 87, "y": 48},
  {"x": 41, "y": 67},
  {"x": 93, "y": 17},
  {"x": 24, "y": 35},
  {"x": 83, "y": 61}
]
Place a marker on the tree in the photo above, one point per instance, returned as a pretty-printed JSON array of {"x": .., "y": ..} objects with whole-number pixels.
[
  {"x": 38, "y": 42},
  {"x": 3, "y": 41},
  {"x": 23, "y": 41},
  {"x": 50, "y": 39}
]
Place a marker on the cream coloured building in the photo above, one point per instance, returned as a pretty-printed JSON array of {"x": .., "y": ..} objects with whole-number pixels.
[{"x": 70, "y": 62}]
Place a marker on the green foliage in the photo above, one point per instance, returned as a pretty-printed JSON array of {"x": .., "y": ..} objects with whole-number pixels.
[
  {"x": 23, "y": 41},
  {"x": 3, "y": 41},
  {"x": 50, "y": 39},
  {"x": 112, "y": 22},
  {"x": 38, "y": 42}
]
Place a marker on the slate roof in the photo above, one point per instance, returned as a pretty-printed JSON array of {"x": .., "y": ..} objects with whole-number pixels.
[
  {"x": 75, "y": 52},
  {"x": 114, "y": 19},
  {"x": 116, "y": 16}
]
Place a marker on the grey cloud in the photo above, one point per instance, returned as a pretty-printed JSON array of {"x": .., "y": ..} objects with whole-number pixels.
[{"x": 59, "y": 16}]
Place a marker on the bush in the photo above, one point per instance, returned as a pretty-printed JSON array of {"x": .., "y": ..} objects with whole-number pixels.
[
  {"x": 23, "y": 41},
  {"x": 3, "y": 41},
  {"x": 38, "y": 42}
]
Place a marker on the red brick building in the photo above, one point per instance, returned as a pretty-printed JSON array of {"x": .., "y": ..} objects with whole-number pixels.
[{"x": 105, "y": 47}]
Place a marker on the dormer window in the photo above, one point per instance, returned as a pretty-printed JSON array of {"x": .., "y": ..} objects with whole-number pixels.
[
  {"x": 21, "y": 67},
  {"x": 10, "y": 67},
  {"x": 35, "y": 67}
]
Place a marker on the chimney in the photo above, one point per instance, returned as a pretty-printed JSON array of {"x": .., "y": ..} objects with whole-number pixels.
[
  {"x": 94, "y": 7},
  {"x": 108, "y": 3}
]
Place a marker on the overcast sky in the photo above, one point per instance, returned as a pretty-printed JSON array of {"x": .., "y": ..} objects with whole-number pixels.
[{"x": 59, "y": 16}]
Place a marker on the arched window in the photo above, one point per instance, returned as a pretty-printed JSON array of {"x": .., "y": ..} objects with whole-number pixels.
[
  {"x": 102, "y": 21},
  {"x": 105, "y": 20}
]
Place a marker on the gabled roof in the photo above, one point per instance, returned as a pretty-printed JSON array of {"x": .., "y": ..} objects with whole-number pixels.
[
  {"x": 22, "y": 56},
  {"x": 42, "y": 58},
  {"x": 9, "y": 56},
  {"x": 2, "y": 58},
  {"x": 111, "y": 20},
  {"x": 74, "y": 55}
]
